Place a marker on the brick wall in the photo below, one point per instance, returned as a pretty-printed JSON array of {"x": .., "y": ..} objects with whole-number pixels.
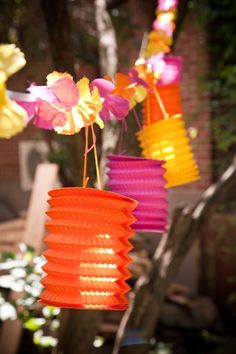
[{"x": 191, "y": 45}]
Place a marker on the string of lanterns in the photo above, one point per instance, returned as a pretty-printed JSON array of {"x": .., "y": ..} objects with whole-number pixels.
[{"x": 89, "y": 229}]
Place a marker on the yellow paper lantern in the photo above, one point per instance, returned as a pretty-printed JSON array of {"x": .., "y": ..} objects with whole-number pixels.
[{"x": 168, "y": 140}]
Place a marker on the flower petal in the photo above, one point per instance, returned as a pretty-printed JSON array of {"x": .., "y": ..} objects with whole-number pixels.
[
  {"x": 118, "y": 106},
  {"x": 11, "y": 59},
  {"x": 105, "y": 113},
  {"x": 50, "y": 114},
  {"x": 42, "y": 92},
  {"x": 13, "y": 117},
  {"x": 56, "y": 75},
  {"x": 104, "y": 86},
  {"x": 83, "y": 86},
  {"x": 66, "y": 92}
]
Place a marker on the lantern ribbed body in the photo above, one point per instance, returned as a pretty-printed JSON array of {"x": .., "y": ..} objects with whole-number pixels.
[
  {"x": 88, "y": 244},
  {"x": 168, "y": 140},
  {"x": 141, "y": 179},
  {"x": 171, "y": 99}
]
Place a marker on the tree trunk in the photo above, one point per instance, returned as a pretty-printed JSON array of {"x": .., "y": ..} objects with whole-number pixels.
[
  {"x": 58, "y": 26},
  {"x": 108, "y": 66},
  {"x": 151, "y": 289},
  {"x": 78, "y": 327}
]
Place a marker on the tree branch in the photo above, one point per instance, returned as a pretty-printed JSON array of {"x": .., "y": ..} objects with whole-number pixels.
[
  {"x": 185, "y": 228},
  {"x": 108, "y": 65},
  {"x": 58, "y": 25}
]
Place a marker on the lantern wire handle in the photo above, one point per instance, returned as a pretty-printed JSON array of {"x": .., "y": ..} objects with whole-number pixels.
[
  {"x": 96, "y": 158},
  {"x": 121, "y": 137},
  {"x": 160, "y": 102},
  {"x": 85, "y": 178},
  {"x": 148, "y": 110}
]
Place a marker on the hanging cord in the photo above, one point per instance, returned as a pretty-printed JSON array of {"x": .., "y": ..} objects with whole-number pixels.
[
  {"x": 160, "y": 102},
  {"x": 137, "y": 118},
  {"x": 123, "y": 129},
  {"x": 85, "y": 178},
  {"x": 96, "y": 157},
  {"x": 140, "y": 128}
]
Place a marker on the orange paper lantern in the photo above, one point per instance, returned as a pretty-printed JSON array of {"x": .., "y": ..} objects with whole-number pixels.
[
  {"x": 171, "y": 99},
  {"x": 168, "y": 140},
  {"x": 87, "y": 249}
]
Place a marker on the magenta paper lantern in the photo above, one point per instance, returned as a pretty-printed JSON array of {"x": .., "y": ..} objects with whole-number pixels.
[{"x": 142, "y": 179}]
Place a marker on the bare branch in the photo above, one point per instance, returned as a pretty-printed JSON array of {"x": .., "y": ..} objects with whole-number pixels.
[{"x": 185, "y": 228}]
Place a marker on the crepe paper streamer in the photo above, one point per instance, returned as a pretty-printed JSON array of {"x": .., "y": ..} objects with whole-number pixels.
[
  {"x": 88, "y": 244},
  {"x": 168, "y": 140},
  {"x": 171, "y": 100},
  {"x": 25, "y": 100},
  {"x": 141, "y": 179}
]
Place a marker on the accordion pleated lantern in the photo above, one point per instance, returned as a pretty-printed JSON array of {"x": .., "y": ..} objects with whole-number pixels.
[
  {"x": 88, "y": 244},
  {"x": 141, "y": 179},
  {"x": 168, "y": 140},
  {"x": 171, "y": 99}
]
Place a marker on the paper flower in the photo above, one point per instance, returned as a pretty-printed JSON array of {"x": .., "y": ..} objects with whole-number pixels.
[
  {"x": 25, "y": 100},
  {"x": 158, "y": 41},
  {"x": 165, "y": 5},
  {"x": 11, "y": 59},
  {"x": 143, "y": 73},
  {"x": 165, "y": 23},
  {"x": 12, "y": 116},
  {"x": 127, "y": 89},
  {"x": 113, "y": 104},
  {"x": 66, "y": 106}
]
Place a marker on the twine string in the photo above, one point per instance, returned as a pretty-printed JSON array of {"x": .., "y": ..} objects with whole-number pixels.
[
  {"x": 85, "y": 178},
  {"x": 96, "y": 157},
  {"x": 160, "y": 102}
]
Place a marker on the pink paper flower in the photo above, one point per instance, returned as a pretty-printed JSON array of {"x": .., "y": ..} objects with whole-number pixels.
[
  {"x": 55, "y": 100},
  {"x": 113, "y": 104}
]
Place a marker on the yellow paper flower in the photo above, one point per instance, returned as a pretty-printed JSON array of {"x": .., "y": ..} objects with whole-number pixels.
[
  {"x": 85, "y": 112},
  {"x": 11, "y": 59},
  {"x": 12, "y": 116},
  {"x": 158, "y": 42}
]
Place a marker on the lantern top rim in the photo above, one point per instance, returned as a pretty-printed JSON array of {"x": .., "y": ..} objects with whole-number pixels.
[
  {"x": 91, "y": 192},
  {"x": 134, "y": 158}
]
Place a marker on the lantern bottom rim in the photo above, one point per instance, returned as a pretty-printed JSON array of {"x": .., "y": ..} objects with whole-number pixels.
[{"x": 84, "y": 307}]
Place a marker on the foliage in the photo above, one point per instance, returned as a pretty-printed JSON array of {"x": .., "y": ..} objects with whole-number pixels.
[{"x": 21, "y": 274}]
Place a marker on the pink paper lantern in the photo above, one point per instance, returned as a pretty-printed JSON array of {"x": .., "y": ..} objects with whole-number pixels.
[{"x": 142, "y": 179}]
